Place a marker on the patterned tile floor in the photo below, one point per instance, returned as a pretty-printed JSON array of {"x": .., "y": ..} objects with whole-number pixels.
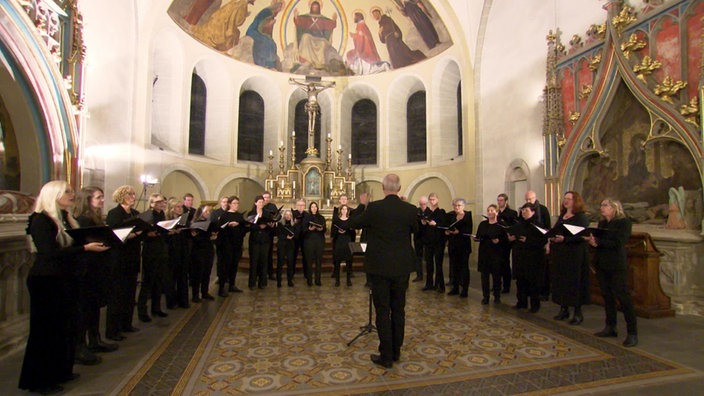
[{"x": 294, "y": 341}]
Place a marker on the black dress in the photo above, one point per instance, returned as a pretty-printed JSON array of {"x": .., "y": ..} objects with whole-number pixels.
[
  {"x": 48, "y": 359},
  {"x": 229, "y": 247},
  {"x": 313, "y": 245},
  {"x": 491, "y": 256},
  {"x": 528, "y": 263},
  {"x": 569, "y": 268}
]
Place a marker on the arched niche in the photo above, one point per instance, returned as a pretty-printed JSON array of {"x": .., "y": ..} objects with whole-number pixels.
[
  {"x": 179, "y": 182},
  {"x": 244, "y": 188},
  {"x": 353, "y": 94},
  {"x": 265, "y": 87},
  {"x": 433, "y": 184},
  {"x": 399, "y": 93},
  {"x": 444, "y": 129}
]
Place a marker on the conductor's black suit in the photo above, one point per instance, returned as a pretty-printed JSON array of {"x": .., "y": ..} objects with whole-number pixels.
[{"x": 389, "y": 260}]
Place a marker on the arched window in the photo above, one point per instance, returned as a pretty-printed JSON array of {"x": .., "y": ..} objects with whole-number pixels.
[
  {"x": 250, "y": 135},
  {"x": 416, "y": 129},
  {"x": 196, "y": 128},
  {"x": 301, "y": 128},
  {"x": 364, "y": 132},
  {"x": 459, "y": 119}
]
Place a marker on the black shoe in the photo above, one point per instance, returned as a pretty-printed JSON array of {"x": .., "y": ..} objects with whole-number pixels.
[
  {"x": 534, "y": 308},
  {"x": 235, "y": 289},
  {"x": 337, "y": 283},
  {"x": 208, "y": 297},
  {"x": 485, "y": 300},
  {"x": 100, "y": 346},
  {"x": 290, "y": 283},
  {"x": 349, "y": 282},
  {"x": 576, "y": 319},
  {"x": 376, "y": 359},
  {"x": 278, "y": 284},
  {"x": 426, "y": 288},
  {"x": 497, "y": 299},
  {"x": 184, "y": 305},
  {"x": 115, "y": 337},
  {"x": 397, "y": 356},
  {"x": 309, "y": 282},
  {"x": 440, "y": 289},
  {"x": 223, "y": 293},
  {"x": 197, "y": 299},
  {"x": 608, "y": 331},
  {"x": 453, "y": 292},
  {"x": 48, "y": 390},
  {"x": 144, "y": 318},
  {"x": 85, "y": 357},
  {"x": 519, "y": 306},
  {"x": 563, "y": 314},
  {"x": 631, "y": 340},
  {"x": 160, "y": 314},
  {"x": 464, "y": 295},
  {"x": 72, "y": 377},
  {"x": 418, "y": 278}
]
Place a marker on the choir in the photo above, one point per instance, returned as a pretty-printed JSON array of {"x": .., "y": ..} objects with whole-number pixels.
[{"x": 173, "y": 246}]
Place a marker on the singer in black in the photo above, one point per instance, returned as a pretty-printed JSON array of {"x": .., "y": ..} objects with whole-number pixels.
[
  {"x": 459, "y": 246},
  {"x": 389, "y": 261},
  {"x": 230, "y": 240},
  {"x": 528, "y": 252},
  {"x": 259, "y": 243},
  {"x": 342, "y": 235},
  {"x": 155, "y": 257},
  {"x": 285, "y": 241},
  {"x": 611, "y": 263},
  {"x": 314, "y": 228},
  {"x": 434, "y": 244},
  {"x": 506, "y": 217},
  {"x": 493, "y": 246}
]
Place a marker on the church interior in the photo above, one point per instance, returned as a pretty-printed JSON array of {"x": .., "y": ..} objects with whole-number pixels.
[{"x": 321, "y": 98}]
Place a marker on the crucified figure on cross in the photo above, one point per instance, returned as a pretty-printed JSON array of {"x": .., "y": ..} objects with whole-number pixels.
[{"x": 311, "y": 86}]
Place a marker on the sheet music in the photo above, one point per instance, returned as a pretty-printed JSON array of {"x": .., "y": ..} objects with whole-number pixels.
[
  {"x": 168, "y": 224},
  {"x": 122, "y": 233},
  {"x": 364, "y": 246},
  {"x": 573, "y": 229}
]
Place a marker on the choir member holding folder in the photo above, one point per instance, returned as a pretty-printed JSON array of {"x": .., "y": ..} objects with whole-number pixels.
[
  {"x": 125, "y": 264},
  {"x": 155, "y": 257},
  {"x": 528, "y": 258},
  {"x": 49, "y": 355},
  {"x": 285, "y": 241},
  {"x": 229, "y": 249},
  {"x": 342, "y": 235},
  {"x": 569, "y": 268},
  {"x": 433, "y": 244},
  {"x": 203, "y": 233},
  {"x": 179, "y": 257},
  {"x": 459, "y": 246},
  {"x": 259, "y": 241},
  {"x": 492, "y": 252},
  {"x": 94, "y": 284},
  {"x": 313, "y": 242}
]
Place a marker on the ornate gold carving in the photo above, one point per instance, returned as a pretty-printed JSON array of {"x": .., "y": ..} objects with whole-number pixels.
[
  {"x": 646, "y": 67},
  {"x": 632, "y": 45},
  {"x": 585, "y": 91},
  {"x": 624, "y": 18},
  {"x": 551, "y": 38},
  {"x": 668, "y": 89},
  {"x": 574, "y": 116},
  {"x": 690, "y": 111},
  {"x": 576, "y": 42},
  {"x": 597, "y": 31},
  {"x": 594, "y": 62}
]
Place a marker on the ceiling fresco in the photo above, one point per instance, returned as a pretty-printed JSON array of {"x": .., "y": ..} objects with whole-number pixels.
[{"x": 317, "y": 37}]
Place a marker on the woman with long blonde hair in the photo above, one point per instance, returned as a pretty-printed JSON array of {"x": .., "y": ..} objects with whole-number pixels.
[{"x": 48, "y": 359}]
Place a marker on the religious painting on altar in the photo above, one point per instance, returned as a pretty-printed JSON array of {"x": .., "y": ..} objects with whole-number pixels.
[
  {"x": 647, "y": 176},
  {"x": 317, "y": 37},
  {"x": 313, "y": 182}
]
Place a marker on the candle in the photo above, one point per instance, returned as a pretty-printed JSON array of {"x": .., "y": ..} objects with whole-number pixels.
[
  {"x": 349, "y": 156},
  {"x": 328, "y": 136},
  {"x": 281, "y": 143},
  {"x": 282, "y": 183},
  {"x": 339, "y": 147},
  {"x": 293, "y": 133},
  {"x": 271, "y": 153},
  {"x": 294, "y": 184}
]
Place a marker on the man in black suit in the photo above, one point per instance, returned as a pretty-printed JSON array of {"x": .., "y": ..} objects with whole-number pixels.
[
  {"x": 389, "y": 261},
  {"x": 188, "y": 208}
]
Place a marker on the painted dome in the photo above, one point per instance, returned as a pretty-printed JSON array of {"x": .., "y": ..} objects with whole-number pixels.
[{"x": 317, "y": 37}]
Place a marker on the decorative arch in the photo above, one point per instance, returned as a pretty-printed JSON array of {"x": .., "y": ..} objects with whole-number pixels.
[
  {"x": 190, "y": 174},
  {"x": 218, "y": 83},
  {"x": 400, "y": 90},
  {"x": 352, "y": 95},
  {"x": 413, "y": 193},
  {"x": 445, "y": 129},
  {"x": 262, "y": 85}
]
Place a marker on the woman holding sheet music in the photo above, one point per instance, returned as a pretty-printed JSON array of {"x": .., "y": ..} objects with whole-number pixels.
[
  {"x": 49, "y": 356},
  {"x": 313, "y": 242},
  {"x": 155, "y": 257},
  {"x": 94, "y": 284},
  {"x": 569, "y": 268},
  {"x": 342, "y": 235},
  {"x": 459, "y": 246},
  {"x": 259, "y": 242},
  {"x": 528, "y": 258},
  {"x": 125, "y": 266},
  {"x": 179, "y": 258},
  {"x": 229, "y": 248},
  {"x": 203, "y": 252},
  {"x": 285, "y": 241},
  {"x": 493, "y": 248}
]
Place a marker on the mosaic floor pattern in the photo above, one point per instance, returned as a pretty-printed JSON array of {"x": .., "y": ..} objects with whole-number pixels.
[{"x": 294, "y": 340}]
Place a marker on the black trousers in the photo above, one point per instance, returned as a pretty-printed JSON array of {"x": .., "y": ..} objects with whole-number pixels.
[
  {"x": 389, "y": 296},
  {"x": 258, "y": 253},
  {"x": 495, "y": 286},
  {"x": 459, "y": 262},
  {"x": 285, "y": 255},
  {"x": 506, "y": 271},
  {"x": 614, "y": 287},
  {"x": 433, "y": 265},
  {"x": 121, "y": 302}
]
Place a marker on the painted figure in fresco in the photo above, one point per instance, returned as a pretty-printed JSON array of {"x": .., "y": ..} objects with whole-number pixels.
[
  {"x": 364, "y": 58},
  {"x": 391, "y": 35},
  {"x": 415, "y": 11},
  {"x": 313, "y": 32},
  {"x": 260, "y": 30},
  {"x": 221, "y": 30},
  {"x": 198, "y": 8}
]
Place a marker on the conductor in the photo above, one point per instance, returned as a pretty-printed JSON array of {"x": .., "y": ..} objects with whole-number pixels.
[{"x": 389, "y": 261}]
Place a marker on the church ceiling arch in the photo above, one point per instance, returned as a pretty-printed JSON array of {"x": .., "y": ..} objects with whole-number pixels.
[{"x": 317, "y": 37}]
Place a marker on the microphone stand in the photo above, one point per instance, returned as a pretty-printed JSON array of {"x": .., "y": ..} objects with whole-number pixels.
[{"x": 367, "y": 328}]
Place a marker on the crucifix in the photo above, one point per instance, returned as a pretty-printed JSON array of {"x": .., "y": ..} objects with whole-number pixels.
[{"x": 311, "y": 86}]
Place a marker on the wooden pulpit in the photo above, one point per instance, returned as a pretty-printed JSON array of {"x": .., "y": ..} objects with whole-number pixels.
[{"x": 643, "y": 279}]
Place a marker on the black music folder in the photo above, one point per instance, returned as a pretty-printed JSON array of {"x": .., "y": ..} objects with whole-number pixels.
[
  {"x": 358, "y": 247},
  {"x": 102, "y": 234}
]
